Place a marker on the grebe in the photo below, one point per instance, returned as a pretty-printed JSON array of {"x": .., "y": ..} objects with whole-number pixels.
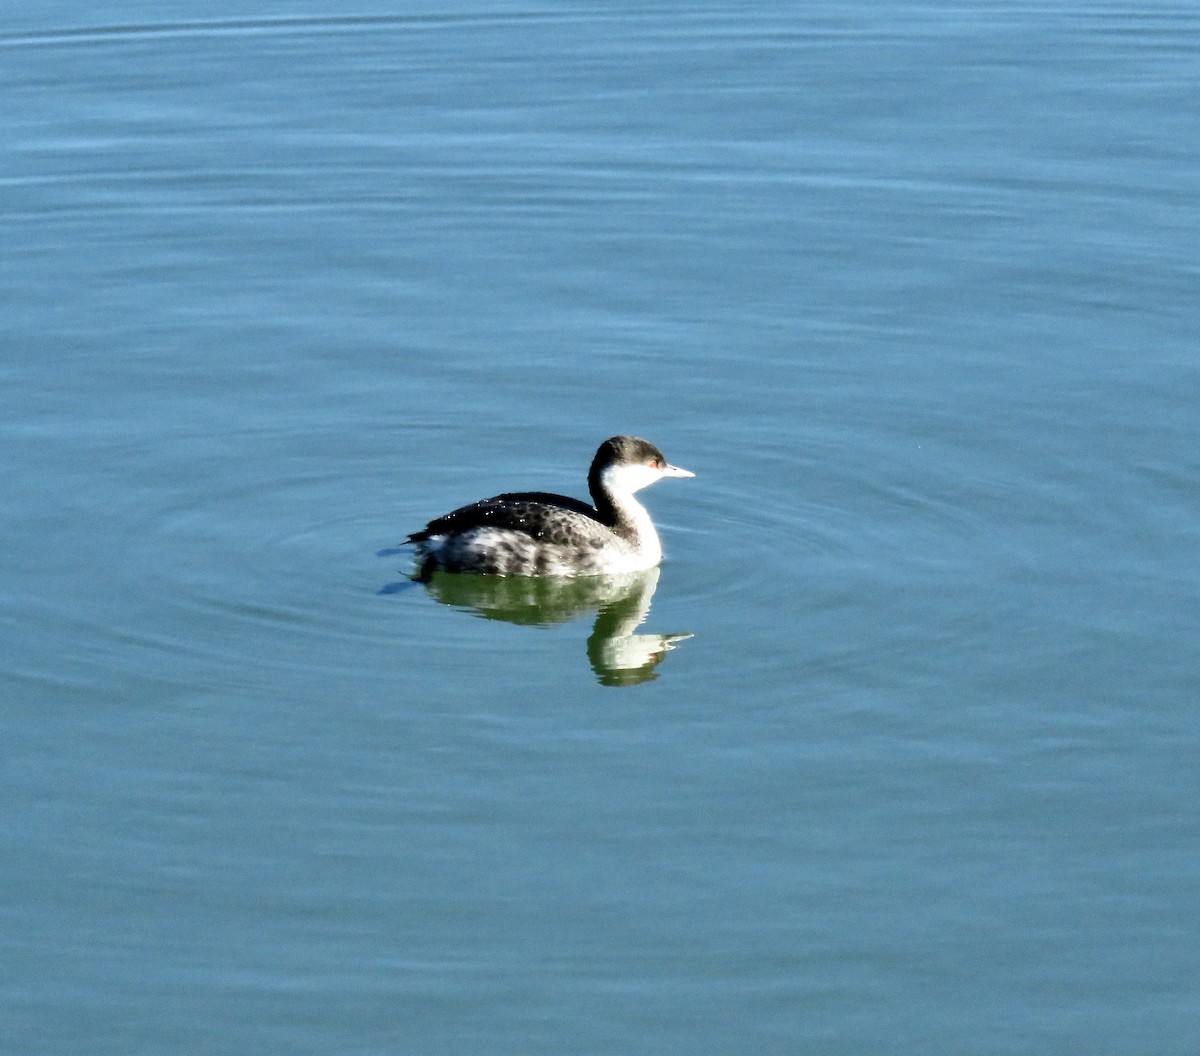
[{"x": 534, "y": 533}]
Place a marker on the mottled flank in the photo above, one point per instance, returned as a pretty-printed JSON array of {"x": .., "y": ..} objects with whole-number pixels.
[{"x": 505, "y": 552}]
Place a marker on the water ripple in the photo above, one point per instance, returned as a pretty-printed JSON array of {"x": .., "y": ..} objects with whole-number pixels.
[{"x": 269, "y": 25}]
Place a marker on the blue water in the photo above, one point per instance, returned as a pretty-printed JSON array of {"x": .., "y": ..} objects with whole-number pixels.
[{"x": 911, "y": 288}]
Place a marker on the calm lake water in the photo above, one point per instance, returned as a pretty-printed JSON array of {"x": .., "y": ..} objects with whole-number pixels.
[{"x": 913, "y": 288}]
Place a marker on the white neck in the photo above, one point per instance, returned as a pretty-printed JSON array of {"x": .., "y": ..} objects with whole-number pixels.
[
  {"x": 621, "y": 482},
  {"x": 645, "y": 536}
]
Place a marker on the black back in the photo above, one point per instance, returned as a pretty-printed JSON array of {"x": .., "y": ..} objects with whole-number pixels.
[{"x": 531, "y": 512}]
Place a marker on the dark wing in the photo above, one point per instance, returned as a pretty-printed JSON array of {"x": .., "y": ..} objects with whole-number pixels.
[{"x": 531, "y": 512}]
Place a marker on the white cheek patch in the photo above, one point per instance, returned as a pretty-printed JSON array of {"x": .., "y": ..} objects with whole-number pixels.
[{"x": 629, "y": 478}]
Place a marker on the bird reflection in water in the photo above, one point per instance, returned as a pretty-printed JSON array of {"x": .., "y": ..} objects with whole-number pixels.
[{"x": 618, "y": 656}]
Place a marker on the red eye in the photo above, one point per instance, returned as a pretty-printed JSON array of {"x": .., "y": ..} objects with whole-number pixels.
[{"x": 654, "y": 463}]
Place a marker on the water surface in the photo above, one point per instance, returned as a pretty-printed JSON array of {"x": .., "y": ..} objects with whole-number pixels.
[{"x": 912, "y": 288}]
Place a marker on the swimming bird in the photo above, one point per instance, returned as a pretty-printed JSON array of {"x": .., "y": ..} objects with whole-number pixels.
[{"x": 535, "y": 533}]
